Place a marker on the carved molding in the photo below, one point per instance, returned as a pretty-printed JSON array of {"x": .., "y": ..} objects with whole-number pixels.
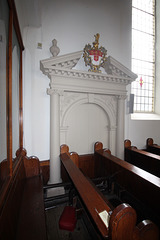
[
  {"x": 67, "y": 61},
  {"x": 121, "y": 97},
  {"x": 89, "y": 76},
  {"x": 73, "y": 100},
  {"x": 78, "y": 87},
  {"x": 113, "y": 67},
  {"x": 60, "y": 92},
  {"x": 63, "y": 66}
]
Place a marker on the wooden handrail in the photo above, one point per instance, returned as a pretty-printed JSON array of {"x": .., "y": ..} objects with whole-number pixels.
[{"x": 92, "y": 200}]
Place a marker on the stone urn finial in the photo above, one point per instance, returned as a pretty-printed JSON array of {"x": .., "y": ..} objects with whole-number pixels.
[{"x": 54, "y": 49}]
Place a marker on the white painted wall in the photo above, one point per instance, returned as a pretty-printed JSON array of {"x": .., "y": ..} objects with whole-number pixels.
[
  {"x": 87, "y": 122},
  {"x": 73, "y": 24}
]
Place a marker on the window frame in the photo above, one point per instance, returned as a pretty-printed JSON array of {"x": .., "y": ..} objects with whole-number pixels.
[{"x": 140, "y": 91}]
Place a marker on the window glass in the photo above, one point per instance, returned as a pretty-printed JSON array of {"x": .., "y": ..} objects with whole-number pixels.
[{"x": 143, "y": 54}]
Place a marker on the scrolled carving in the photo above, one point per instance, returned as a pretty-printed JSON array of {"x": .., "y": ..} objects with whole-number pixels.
[
  {"x": 121, "y": 97},
  {"x": 60, "y": 92}
]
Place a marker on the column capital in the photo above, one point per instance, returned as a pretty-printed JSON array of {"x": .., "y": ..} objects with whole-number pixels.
[
  {"x": 121, "y": 97},
  {"x": 113, "y": 128},
  {"x": 51, "y": 91}
]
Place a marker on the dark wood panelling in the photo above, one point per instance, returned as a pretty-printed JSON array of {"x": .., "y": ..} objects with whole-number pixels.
[
  {"x": 44, "y": 167},
  {"x": 22, "y": 212},
  {"x": 145, "y": 160},
  {"x": 141, "y": 185},
  {"x": 152, "y": 147},
  {"x": 86, "y": 164}
]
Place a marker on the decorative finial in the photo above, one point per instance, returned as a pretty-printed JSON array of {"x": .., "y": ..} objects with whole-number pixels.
[
  {"x": 54, "y": 49},
  {"x": 96, "y": 42}
]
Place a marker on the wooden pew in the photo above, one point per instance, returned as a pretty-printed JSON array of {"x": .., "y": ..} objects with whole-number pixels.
[
  {"x": 122, "y": 219},
  {"x": 148, "y": 161},
  {"x": 137, "y": 187},
  {"x": 152, "y": 147},
  {"x": 22, "y": 213}
]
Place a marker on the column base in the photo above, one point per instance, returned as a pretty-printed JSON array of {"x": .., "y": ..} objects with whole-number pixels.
[{"x": 55, "y": 191}]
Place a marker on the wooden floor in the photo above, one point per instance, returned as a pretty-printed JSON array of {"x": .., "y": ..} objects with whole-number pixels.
[{"x": 54, "y": 233}]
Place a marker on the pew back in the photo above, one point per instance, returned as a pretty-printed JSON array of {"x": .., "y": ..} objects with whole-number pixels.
[
  {"x": 10, "y": 210},
  {"x": 143, "y": 186},
  {"x": 152, "y": 147},
  {"x": 22, "y": 209},
  {"x": 145, "y": 160}
]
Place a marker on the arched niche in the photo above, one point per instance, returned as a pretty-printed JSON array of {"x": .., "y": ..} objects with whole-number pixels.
[{"x": 87, "y": 118}]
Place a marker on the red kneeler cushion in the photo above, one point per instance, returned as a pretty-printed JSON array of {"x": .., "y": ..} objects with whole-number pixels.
[{"x": 68, "y": 219}]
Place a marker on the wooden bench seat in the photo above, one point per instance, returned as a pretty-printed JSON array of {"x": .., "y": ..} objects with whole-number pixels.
[
  {"x": 22, "y": 213},
  {"x": 31, "y": 222}
]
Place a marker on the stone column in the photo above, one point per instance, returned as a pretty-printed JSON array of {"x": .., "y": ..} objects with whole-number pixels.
[
  {"x": 112, "y": 139},
  {"x": 54, "y": 136},
  {"x": 120, "y": 126}
]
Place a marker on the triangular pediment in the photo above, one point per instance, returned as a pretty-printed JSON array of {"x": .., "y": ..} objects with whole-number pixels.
[
  {"x": 69, "y": 63},
  {"x": 114, "y": 67}
]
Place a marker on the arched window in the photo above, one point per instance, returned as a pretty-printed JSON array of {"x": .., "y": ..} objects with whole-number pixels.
[{"x": 143, "y": 54}]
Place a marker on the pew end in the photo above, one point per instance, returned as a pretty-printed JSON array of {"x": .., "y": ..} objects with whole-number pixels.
[
  {"x": 122, "y": 223},
  {"x": 99, "y": 146},
  {"x": 152, "y": 147},
  {"x": 75, "y": 158},
  {"x": 73, "y": 155},
  {"x": 64, "y": 149},
  {"x": 127, "y": 144},
  {"x": 148, "y": 230},
  {"x": 22, "y": 152},
  {"x": 149, "y": 142},
  {"x": 32, "y": 166}
]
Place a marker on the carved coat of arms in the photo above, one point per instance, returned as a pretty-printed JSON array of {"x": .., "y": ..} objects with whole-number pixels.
[{"x": 94, "y": 56}]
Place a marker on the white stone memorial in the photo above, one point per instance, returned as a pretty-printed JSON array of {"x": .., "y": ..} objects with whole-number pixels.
[{"x": 85, "y": 107}]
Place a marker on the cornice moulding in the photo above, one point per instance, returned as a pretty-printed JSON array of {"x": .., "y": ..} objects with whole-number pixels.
[
  {"x": 113, "y": 67},
  {"x": 76, "y": 74},
  {"x": 62, "y": 75},
  {"x": 67, "y": 61}
]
